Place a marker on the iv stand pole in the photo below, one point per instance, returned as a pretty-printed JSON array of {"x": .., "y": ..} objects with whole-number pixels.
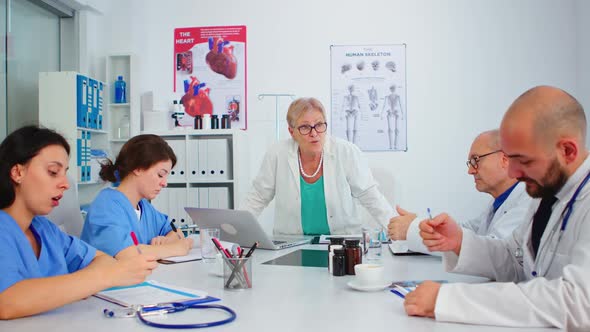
[{"x": 276, "y": 97}]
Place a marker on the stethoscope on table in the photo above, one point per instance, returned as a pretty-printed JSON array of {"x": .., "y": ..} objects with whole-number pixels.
[
  {"x": 141, "y": 311},
  {"x": 568, "y": 212}
]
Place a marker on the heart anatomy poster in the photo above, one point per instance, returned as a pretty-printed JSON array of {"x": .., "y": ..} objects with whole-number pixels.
[
  {"x": 210, "y": 73},
  {"x": 368, "y": 91}
]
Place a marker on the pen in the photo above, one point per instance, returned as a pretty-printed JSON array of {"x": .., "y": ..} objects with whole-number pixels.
[
  {"x": 175, "y": 230},
  {"x": 135, "y": 242},
  {"x": 220, "y": 247},
  {"x": 429, "y": 213},
  {"x": 254, "y": 246},
  {"x": 396, "y": 292}
]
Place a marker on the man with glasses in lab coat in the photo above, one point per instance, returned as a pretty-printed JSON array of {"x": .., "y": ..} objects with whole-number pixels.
[{"x": 489, "y": 167}]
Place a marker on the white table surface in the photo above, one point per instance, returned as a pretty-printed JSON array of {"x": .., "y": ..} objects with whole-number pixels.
[{"x": 283, "y": 298}]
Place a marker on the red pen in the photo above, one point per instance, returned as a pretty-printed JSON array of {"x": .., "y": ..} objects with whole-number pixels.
[
  {"x": 135, "y": 242},
  {"x": 221, "y": 248}
]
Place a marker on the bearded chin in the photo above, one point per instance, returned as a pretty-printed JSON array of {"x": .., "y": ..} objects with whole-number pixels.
[{"x": 553, "y": 181}]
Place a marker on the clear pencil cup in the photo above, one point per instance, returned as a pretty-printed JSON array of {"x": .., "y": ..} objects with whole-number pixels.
[{"x": 237, "y": 273}]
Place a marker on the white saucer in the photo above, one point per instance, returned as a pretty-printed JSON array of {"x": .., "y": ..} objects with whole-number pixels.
[{"x": 369, "y": 288}]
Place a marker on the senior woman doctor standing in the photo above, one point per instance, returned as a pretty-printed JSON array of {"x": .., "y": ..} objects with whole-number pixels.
[{"x": 315, "y": 179}]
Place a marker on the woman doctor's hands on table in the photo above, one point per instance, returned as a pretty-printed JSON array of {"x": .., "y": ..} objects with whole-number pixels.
[{"x": 440, "y": 233}]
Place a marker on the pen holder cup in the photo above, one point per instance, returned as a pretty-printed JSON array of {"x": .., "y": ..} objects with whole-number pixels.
[{"x": 237, "y": 273}]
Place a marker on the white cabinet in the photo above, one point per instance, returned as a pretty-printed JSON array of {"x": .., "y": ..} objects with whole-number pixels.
[
  {"x": 72, "y": 104},
  {"x": 124, "y": 117},
  {"x": 204, "y": 172}
]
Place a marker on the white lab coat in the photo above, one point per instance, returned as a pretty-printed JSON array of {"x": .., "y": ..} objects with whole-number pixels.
[
  {"x": 559, "y": 296},
  {"x": 347, "y": 180},
  {"x": 497, "y": 225}
]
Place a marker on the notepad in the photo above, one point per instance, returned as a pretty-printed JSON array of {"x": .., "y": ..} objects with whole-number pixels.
[
  {"x": 152, "y": 292},
  {"x": 193, "y": 255}
]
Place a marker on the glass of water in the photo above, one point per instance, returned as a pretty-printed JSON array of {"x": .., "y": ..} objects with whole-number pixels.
[
  {"x": 208, "y": 250},
  {"x": 371, "y": 244}
]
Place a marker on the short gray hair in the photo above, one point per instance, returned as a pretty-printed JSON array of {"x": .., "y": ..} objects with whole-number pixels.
[{"x": 302, "y": 105}]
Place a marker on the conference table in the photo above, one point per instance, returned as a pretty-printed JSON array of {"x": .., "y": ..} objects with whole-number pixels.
[{"x": 282, "y": 298}]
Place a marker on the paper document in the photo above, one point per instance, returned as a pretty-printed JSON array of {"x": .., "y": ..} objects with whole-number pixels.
[
  {"x": 404, "y": 287},
  {"x": 193, "y": 255},
  {"x": 151, "y": 292}
]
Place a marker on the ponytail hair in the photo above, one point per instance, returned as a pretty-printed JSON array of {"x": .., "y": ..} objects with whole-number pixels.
[{"x": 140, "y": 152}]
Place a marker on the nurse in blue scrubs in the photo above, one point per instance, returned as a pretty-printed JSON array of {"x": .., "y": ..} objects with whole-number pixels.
[
  {"x": 142, "y": 166},
  {"x": 42, "y": 268}
]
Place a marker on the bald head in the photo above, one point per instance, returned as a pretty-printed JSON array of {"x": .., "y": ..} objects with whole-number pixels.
[
  {"x": 549, "y": 113},
  {"x": 490, "y": 138}
]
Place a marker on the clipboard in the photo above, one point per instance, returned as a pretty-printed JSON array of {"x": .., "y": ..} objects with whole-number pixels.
[{"x": 151, "y": 293}]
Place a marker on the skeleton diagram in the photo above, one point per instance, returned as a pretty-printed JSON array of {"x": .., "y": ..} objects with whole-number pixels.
[
  {"x": 351, "y": 110},
  {"x": 373, "y": 99},
  {"x": 393, "y": 107}
]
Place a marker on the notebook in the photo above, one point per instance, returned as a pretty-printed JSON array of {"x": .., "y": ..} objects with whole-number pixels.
[
  {"x": 400, "y": 248},
  {"x": 242, "y": 228}
]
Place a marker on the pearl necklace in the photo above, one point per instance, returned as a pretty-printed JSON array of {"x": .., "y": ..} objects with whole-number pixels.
[{"x": 316, "y": 171}]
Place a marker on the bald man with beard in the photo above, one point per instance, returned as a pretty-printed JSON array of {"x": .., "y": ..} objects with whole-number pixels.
[{"x": 541, "y": 271}]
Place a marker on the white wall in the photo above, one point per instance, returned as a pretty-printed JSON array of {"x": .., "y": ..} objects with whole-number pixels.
[
  {"x": 582, "y": 10},
  {"x": 466, "y": 62}
]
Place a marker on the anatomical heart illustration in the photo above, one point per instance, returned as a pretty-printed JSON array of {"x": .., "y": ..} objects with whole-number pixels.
[
  {"x": 196, "y": 99},
  {"x": 221, "y": 58},
  {"x": 210, "y": 73}
]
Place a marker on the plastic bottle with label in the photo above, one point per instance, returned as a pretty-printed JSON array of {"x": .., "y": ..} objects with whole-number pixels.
[{"x": 120, "y": 94}]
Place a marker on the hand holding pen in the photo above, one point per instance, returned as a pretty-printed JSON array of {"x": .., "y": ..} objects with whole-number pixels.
[
  {"x": 441, "y": 233},
  {"x": 135, "y": 242},
  {"x": 175, "y": 230}
]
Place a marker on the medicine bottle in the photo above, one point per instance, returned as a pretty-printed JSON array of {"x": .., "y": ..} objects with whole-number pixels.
[
  {"x": 215, "y": 121},
  {"x": 353, "y": 255},
  {"x": 225, "y": 122},
  {"x": 198, "y": 122},
  {"x": 338, "y": 263},
  {"x": 331, "y": 255},
  {"x": 335, "y": 240}
]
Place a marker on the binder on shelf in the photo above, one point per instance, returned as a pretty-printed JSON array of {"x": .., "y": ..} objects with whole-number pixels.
[
  {"x": 217, "y": 158},
  {"x": 82, "y": 100},
  {"x": 192, "y": 158},
  {"x": 79, "y": 148},
  {"x": 100, "y": 105},
  {"x": 204, "y": 197},
  {"x": 178, "y": 173},
  {"x": 192, "y": 201},
  {"x": 203, "y": 162}
]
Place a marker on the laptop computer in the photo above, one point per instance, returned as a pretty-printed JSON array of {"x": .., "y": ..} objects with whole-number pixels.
[{"x": 241, "y": 227}]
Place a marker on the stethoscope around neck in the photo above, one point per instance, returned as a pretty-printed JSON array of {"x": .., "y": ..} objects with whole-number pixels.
[{"x": 569, "y": 208}]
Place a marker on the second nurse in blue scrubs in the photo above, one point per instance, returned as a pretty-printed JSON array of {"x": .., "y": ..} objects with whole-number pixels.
[{"x": 143, "y": 165}]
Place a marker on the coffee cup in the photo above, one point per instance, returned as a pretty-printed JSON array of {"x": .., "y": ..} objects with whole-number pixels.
[{"x": 368, "y": 274}]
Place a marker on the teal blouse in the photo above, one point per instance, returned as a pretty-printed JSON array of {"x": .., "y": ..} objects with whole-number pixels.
[{"x": 314, "y": 217}]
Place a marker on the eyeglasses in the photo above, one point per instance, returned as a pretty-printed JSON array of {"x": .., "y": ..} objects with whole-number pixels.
[
  {"x": 474, "y": 161},
  {"x": 319, "y": 128}
]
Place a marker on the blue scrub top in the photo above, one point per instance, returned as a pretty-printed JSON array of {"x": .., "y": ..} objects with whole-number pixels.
[
  {"x": 111, "y": 218},
  {"x": 60, "y": 253}
]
